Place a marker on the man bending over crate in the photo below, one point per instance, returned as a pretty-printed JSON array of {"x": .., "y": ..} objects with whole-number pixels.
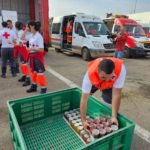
[{"x": 108, "y": 76}]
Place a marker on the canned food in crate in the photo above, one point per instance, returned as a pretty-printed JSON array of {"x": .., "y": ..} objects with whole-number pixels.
[
  {"x": 82, "y": 133},
  {"x": 73, "y": 114},
  {"x": 79, "y": 116},
  {"x": 79, "y": 129},
  {"x": 108, "y": 130},
  {"x": 102, "y": 132},
  {"x": 95, "y": 133},
  {"x": 100, "y": 126},
  {"x": 91, "y": 127},
  {"x": 110, "y": 122},
  {"x": 70, "y": 120},
  {"x": 75, "y": 117},
  {"x": 68, "y": 116},
  {"x": 96, "y": 121},
  {"x": 106, "y": 124},
  {"x": 79, "y": 120},
  {"x": 70, "y": 111},
  {"x": 65, "y": 114},
  {"x": 76, "y": 126},
  {"x": 89, "y": 121},
  {"x": 85, "y": 137},
  {"x": 73, "y": 123},
  {"x": 89, "y": 140},
  {"x": 114, "y": 127},
  {"x": 103, "y": 119}
]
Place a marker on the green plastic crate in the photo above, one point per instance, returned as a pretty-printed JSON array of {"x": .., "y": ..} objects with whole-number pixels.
[{"x": 36, "y": 123}]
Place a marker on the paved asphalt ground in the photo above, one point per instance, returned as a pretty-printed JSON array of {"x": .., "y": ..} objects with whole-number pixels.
[{"x": 135, "y": 103}]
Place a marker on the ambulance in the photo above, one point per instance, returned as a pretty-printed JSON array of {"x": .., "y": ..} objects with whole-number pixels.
[
  {"x": 138, "y": 44},
  {"x": 89, "y": 36}
]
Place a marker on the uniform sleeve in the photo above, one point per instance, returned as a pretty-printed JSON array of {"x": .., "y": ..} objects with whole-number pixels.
[
  {"x": 86, "y": 84},
  {"x": 40, "y": 42},
  {"x": 120, "y": 81},
  {"x": 28, "y": 36},
  {"x": 14, "y": 35}
]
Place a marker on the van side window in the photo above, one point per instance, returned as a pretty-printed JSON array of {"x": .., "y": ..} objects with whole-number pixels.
[
  {"x": 56, "y": 28},
  {"x": 78, "y": 28},
  {"x": 117, "y": 28}
]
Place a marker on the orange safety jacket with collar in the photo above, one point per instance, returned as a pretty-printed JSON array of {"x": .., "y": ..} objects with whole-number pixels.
[{"x": 94, "y": 75}]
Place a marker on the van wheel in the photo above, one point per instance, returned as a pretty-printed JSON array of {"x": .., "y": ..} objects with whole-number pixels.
[
  {"x": 57, "y": 50},
  {"x": 86, "y": 54}
]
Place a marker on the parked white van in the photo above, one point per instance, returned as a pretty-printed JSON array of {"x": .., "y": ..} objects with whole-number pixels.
[{"x": 84, "y": 42}]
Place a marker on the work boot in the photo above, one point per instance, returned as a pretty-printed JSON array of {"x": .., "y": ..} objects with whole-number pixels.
[
  {"x": 3, "y": 72},
  {"x": 27, "y": 82},
  {"x": 43, "y": 90},
  {"x": 22, "y": 79},
  {"x": 3, "y": 75},
  {"x": 33, "y": 88}
]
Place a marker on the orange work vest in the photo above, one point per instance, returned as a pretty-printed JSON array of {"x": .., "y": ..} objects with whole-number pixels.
[{"x": 94, "y": 76}]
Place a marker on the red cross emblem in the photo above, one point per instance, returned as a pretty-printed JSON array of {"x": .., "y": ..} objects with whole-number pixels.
[{"x": 6, "y": 35}]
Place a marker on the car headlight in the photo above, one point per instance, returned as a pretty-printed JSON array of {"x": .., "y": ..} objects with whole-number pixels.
[
  {"x": 138, "y": 44},
  {"x": 97, "y": 44}
]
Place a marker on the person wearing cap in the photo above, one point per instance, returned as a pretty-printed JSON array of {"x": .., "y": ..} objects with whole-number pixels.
[{"x": 108, "y": 76}]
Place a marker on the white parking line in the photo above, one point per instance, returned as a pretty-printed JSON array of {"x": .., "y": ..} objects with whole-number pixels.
[{"x": 141, "y": 132}]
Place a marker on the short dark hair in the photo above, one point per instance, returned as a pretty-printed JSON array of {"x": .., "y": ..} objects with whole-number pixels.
[
  {"x": 19, "y": 25},
  {"x": 36, "y": 25},
  {"x": 4, "y": 24},
  {"x": 9, "y": 21},
  {"x": 106, "y": 65}
]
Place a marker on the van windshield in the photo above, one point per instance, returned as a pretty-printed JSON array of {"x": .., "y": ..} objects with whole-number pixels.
[
  {"x": 135, "y": 30},
  {"x": 95, "y": 28}
]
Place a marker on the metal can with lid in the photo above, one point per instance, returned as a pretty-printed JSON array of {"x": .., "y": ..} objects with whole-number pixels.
[
  {"x": 73, "y": 114},
  {"x": 65, "y": 114},
  {"x": 70, "y": 120},
  {"x": 95, "y": 133},
  {"x": 75, "y": 117},
  {"x": 79, "y": 129},
  {"x": 106, "y": 124},
  {"x": 76, "y": 126},
  {"x": 70, "y": 111},
  {"x": 79, "y": 120},
  {"x": 108, "y": 130},
  {"x": 89, "y": 121},
  {"x": 85, "y": 137},
  {"x": 102, "y": 132},
  {"x": 68, "y": 116},
  {"x": 100, "y": 126},
  {"x": 73, "y": 123},
  {"x": 82, "y": 132},
  {"x": 114, "y": 127},
  {"x": 89, "y": 140}
]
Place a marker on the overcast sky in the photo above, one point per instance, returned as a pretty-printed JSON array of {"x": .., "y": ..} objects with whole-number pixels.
[{"x": 97, "y": 7}]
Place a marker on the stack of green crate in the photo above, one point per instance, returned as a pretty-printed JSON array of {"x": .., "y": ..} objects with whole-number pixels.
[{"x": 36, "y": 123}]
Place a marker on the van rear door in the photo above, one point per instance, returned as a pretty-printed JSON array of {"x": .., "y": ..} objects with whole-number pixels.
[{"x": 56, "y": 39}]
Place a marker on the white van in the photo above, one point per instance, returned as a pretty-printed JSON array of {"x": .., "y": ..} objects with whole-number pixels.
[{"x": 88, "y": 44}]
